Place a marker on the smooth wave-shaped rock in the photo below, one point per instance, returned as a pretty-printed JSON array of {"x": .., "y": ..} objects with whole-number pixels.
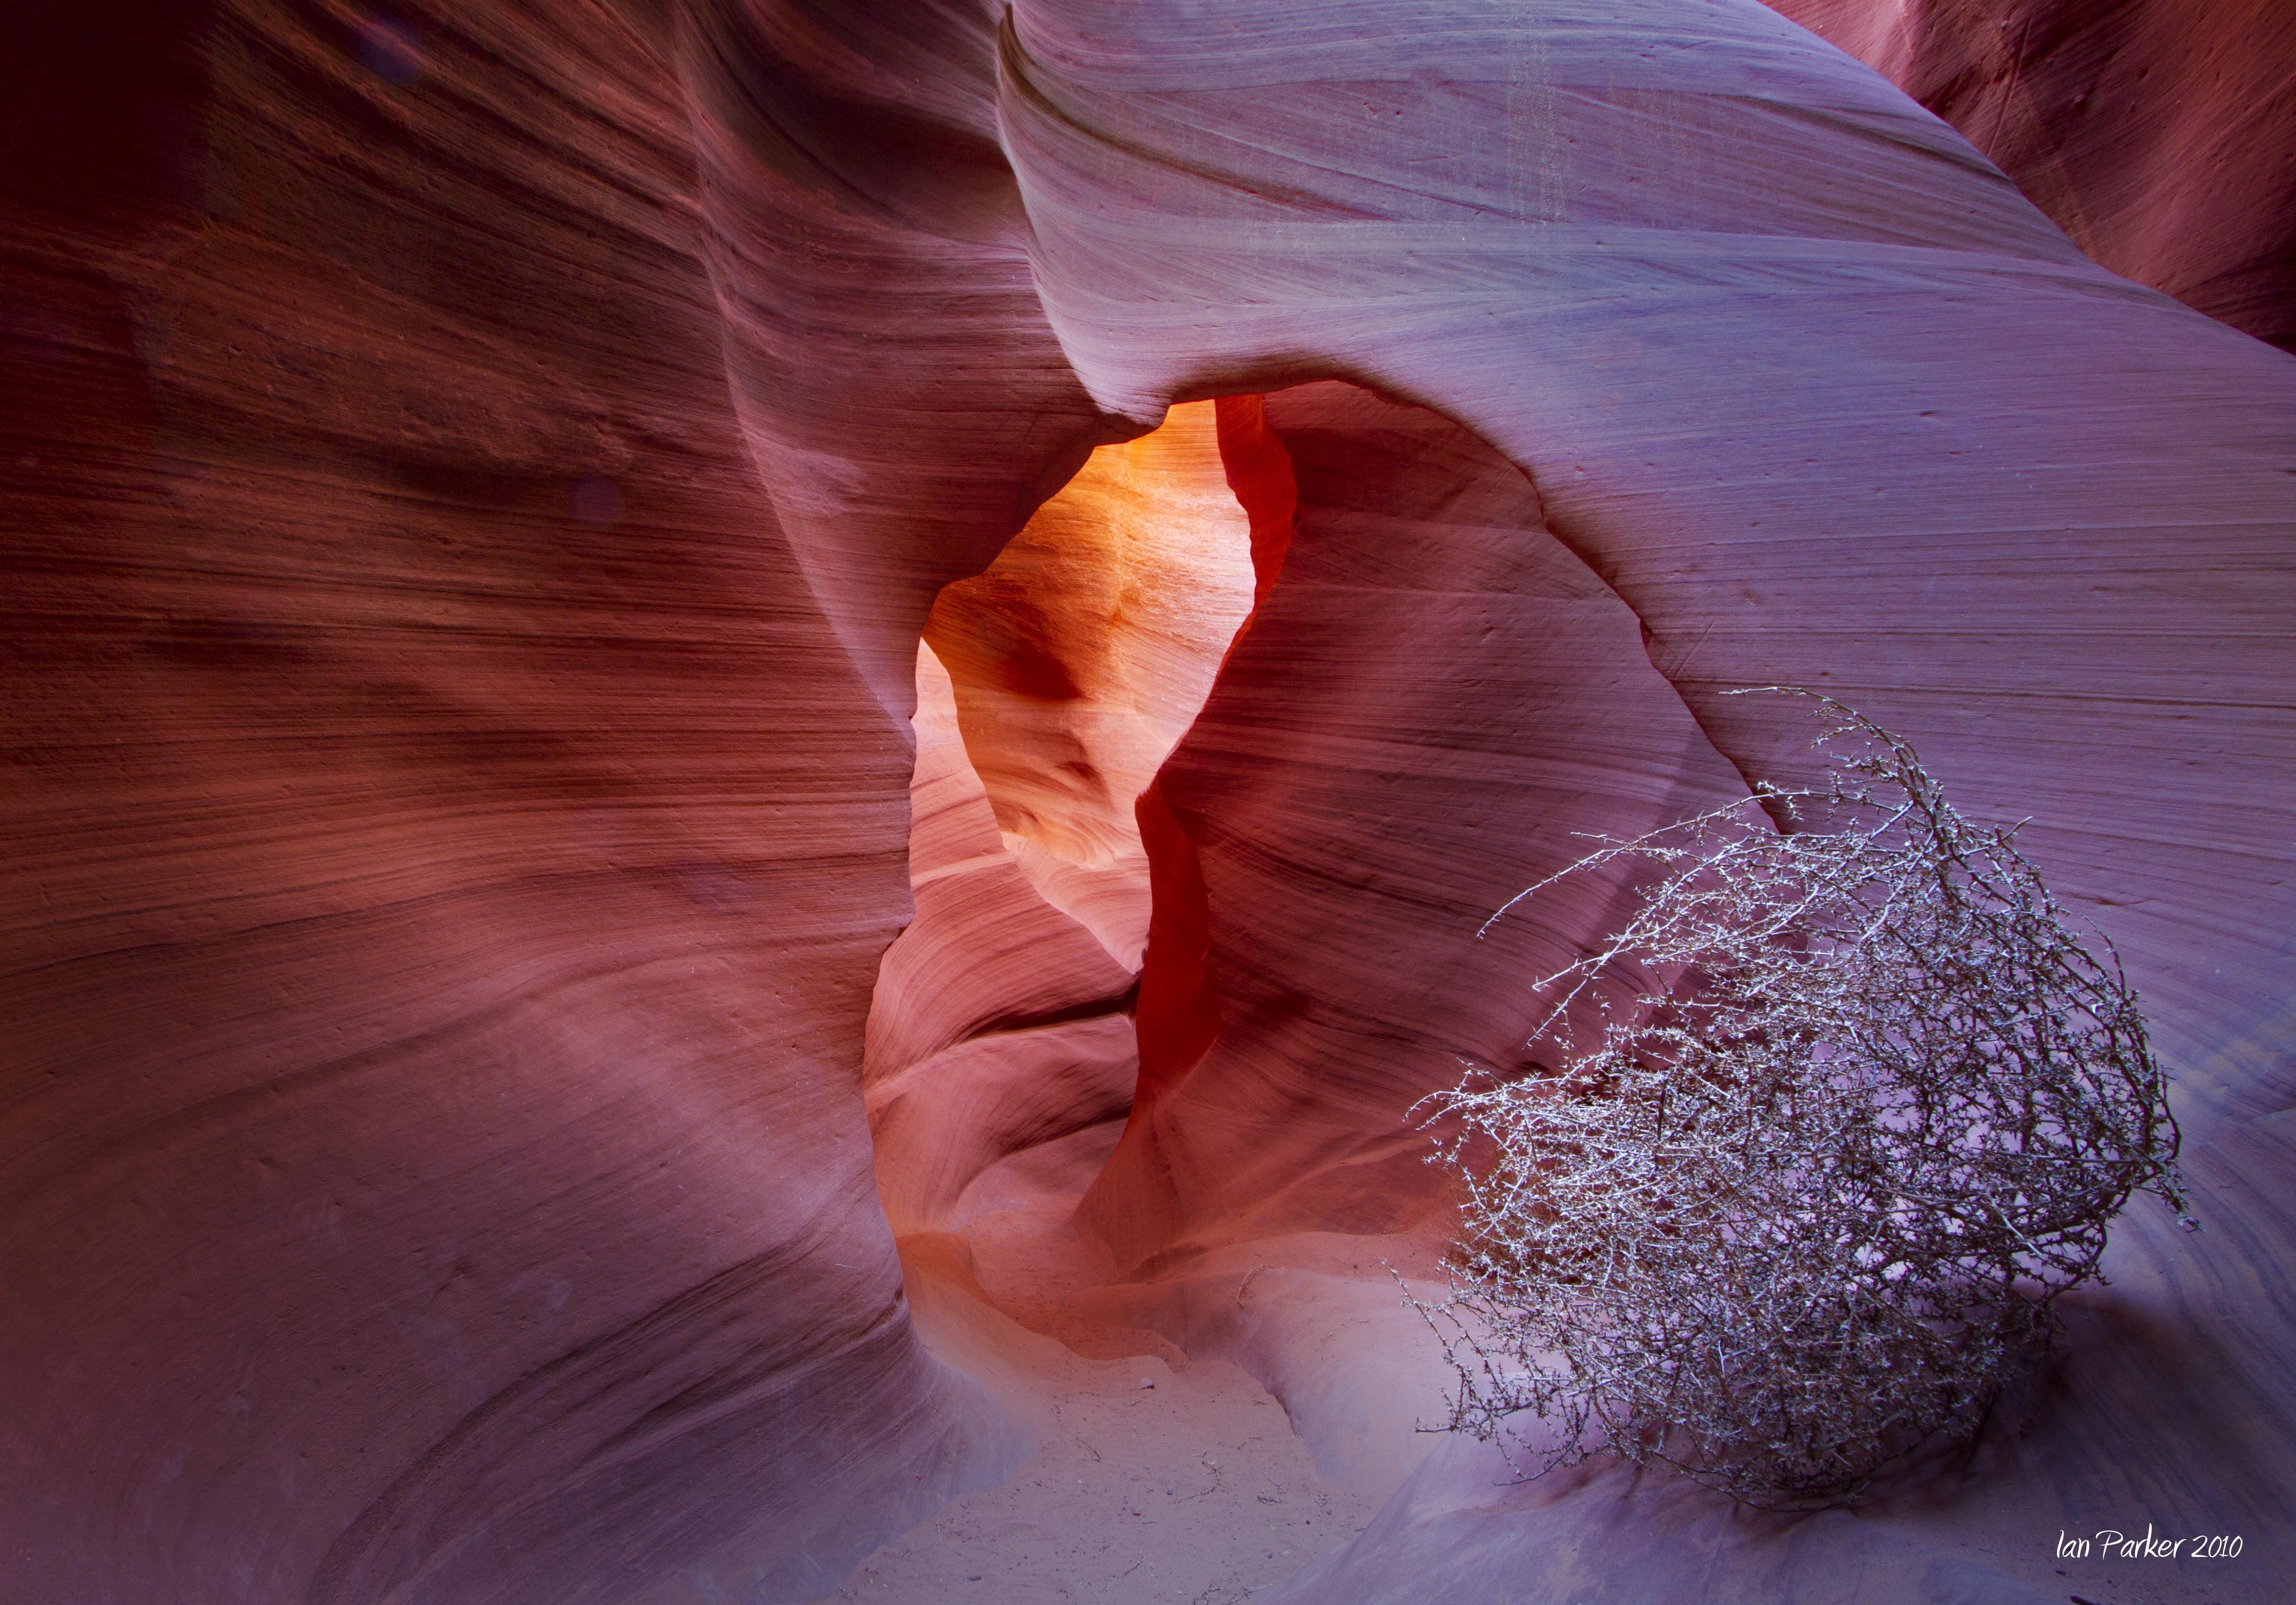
[
  {"x": 2156, "y": 132},
  {"x": 1084, "y": 651},
  {"x": 448, "y": 853},
  {"x": 476, "y": 479}
]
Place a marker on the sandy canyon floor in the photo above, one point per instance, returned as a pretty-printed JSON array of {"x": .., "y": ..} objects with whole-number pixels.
[{"x": 1193, "y": 1489}]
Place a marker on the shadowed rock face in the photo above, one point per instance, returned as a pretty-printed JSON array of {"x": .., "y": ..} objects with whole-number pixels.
[
  {"x": 475, "y": 479},
  {"x": 2160, "y": 134},
  {"x": 448, "y": 854}
]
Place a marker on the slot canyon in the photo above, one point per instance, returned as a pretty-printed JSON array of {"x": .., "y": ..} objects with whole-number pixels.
[{"x": 755, "y": 751}]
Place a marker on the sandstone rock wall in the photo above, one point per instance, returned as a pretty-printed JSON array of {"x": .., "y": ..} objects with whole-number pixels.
[
  {"x": 2160, "y": 134},
  {"x": 476, "y": 479},
  {"x": 449, "y": 854},
  {"x": 1001, "y": 1021}
]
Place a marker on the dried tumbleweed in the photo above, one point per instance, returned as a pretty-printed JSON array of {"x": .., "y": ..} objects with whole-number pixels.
[{"x": 1807, "y": 1203}]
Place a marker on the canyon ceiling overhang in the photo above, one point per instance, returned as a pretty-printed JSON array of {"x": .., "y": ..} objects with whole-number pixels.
[{"x": 476, "y": 479}]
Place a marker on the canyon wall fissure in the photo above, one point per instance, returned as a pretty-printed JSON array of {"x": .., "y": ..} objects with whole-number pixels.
[
  {"x": 1050, "y": 689},
  {"x": 1283, "y": 1039}
]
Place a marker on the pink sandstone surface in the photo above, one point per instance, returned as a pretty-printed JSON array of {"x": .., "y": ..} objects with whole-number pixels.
[
  {"x": 555, "y": 1055},
  {"x": 2159, "y": 134}
]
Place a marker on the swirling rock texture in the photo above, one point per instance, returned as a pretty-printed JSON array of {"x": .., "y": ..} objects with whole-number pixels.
[
  {"x": 1000, "y": 1022},
  {"x": 449, "y": 854},
  {"x": 2160, "y": 134},
  {"x": 476, "y": 481},
  {"x": 1083, "y": 653}
]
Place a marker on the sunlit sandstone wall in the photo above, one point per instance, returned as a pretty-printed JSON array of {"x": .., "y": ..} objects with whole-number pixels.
[
  {"x": 1002, "y": 1017},
  {"x": 999, "y": 1024},
  {"x": 1084, "y": 651}
]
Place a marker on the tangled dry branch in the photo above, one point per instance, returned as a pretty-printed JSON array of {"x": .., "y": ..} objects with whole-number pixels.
[{"x": 1807, "y": 1202}]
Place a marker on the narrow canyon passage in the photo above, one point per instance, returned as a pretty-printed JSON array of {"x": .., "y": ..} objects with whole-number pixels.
[
  {"x": 1050, "y": 690},
  {"x": 1201, "y": 1174},
  {"x": 1002, "y": 1054}
]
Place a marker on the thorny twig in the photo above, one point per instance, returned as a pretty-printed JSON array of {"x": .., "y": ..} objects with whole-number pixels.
[{"x": 1808, "y": 1199}]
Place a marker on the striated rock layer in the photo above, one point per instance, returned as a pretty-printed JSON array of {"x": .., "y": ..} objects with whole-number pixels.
[
  {"x": 1824, "y": 401},
  {"x": 477, "y": 478},
  {"x": 1432, "y": 706},
  {"x": 2160, "y": 134},
  {"x": 448, "y": 852},
  {"x": 1001, "y": 1021},
  {"x": 1083, "y": 653}
]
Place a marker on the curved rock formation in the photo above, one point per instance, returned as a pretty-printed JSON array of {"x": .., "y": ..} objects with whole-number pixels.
[
  {"x": 1432, "y": 708},
  {"x": 479, "y": 477},
  {"x": 1001, "y": 1020},
  {"x": 904, "y": 398},
  {"x": 2159, "y": 134},
  {"x": 447, "y": 853},
  {"x": 1571, "y": 289},
  {"x": 1083, "y": 653}
]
